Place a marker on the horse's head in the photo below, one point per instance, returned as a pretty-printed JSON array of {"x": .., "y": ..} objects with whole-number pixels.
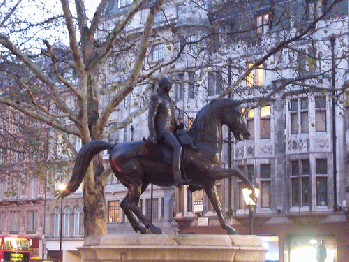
[{"x": 233, "y": 118}]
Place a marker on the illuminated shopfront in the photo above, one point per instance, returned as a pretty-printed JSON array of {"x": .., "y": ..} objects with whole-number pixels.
[{"x": 307, "y": 248}]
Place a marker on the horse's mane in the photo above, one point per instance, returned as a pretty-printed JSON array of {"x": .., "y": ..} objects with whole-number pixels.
[{"x": 211, "y": 110}]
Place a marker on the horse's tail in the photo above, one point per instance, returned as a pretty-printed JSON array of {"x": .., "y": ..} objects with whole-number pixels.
[{"x": 83, "y": 159}]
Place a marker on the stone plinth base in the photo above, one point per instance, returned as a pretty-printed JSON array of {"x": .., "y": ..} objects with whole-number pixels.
[{"x": 161, "y": 248}]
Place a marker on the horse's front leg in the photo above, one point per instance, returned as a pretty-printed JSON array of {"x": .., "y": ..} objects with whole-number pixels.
[
  {"x": 218, "y": 173},
  {"x": 213, "y": 197}
]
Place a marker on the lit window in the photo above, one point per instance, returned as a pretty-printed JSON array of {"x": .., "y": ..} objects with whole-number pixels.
[
  {"x": 113, "y": 211},
  {"x": 250, "y": 122},
  {"x": 255, "y": 78},
  {"x": 263, "y": 24},
  {"x": 265, "y": 122}
]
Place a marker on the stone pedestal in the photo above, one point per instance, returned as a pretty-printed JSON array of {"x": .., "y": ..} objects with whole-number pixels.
[{"x": 161, "y": 248}]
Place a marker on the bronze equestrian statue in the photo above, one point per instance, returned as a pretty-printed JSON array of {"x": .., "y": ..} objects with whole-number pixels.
[
  {"x": 138, "y": 163},
  {"x": 162, "y": 125}
]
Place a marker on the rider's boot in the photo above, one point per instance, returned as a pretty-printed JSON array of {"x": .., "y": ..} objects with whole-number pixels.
[{"x": 178, "y": 180}]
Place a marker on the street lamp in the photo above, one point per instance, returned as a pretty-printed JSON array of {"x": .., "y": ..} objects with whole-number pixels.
[
  {"x": 251, "y": 202},
  {"x": 61, "y": 188}
]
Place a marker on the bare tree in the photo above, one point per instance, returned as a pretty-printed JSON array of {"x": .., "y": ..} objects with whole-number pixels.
[{"x": 76, "y": 72}]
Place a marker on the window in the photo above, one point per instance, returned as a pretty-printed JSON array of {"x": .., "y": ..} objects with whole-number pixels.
[
  {"x": 241, "y": 203},
  {"x": 320, "y": 114},
  {"x": 191, "y": 91},
  {"x": 123, "y": 3},
  {"x": 78, "y": 144},
  {"x": 189, "y": 200},
  {"x": 265, "y": 122},
  {"x": 31, "y": 219},
  {"x": 66, "y": 221},
  {"x": 57, "y": 221},
  {"x": 60, "y": 145},
  {"x": 77, "y": 221},
  {"x": 33, "y": 188},
  {"x": 321, "y": 182},
  {"x": 151, "y": 212},
  {"x": 15, "y": 220},
  {"x": 162, "y": 215},
  {"x": 265, "y": 185},
  {"x": 249, "y": 121},
  {"x": 1, "y": 221},
  {"x": 180, "y": 10},
  {"x": 314, "y": 8},
  {"x": 113, "y": 211},
  {"x": 300, "y": 186},
  {"x": 113, "y": 137},
  {"x": 157, "y": 52},
  {"x": 215, "y": 82},
  {"x": 299, "y": 117},
  {"x": 302, "y": 64},
  {"x": 179, "y": 89},
  {"x": 248, "y": 170},
  {"x": 125, "y": 133},
  {"x": 59, "y": 180},
  {"x": 263, "y": 23},
  {"x": 159, "y": 17},
  {"x": 255, "y": 78}
]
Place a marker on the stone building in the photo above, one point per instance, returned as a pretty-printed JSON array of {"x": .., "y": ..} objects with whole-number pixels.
[
  {"x": 290, "y": 153},
  {"x": 297, "y": 152}
]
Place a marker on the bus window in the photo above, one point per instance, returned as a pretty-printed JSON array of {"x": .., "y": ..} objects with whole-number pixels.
[{"x": 14, "y": 243}]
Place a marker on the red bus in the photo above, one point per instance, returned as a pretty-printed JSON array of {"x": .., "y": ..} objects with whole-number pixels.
[{"x": 14, "y": 249}]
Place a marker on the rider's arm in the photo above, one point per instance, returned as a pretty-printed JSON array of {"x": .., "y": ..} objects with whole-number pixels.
[{"x": 153, "y": 108}]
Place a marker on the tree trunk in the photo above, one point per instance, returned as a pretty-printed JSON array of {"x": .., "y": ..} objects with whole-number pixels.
[{"x": 95, "y": 215}]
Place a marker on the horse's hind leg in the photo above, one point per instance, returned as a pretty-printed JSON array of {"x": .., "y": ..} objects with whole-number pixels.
[
  {"x": 213, "y": 197},
  {"x": 131, "y": 218},
  {"x": 135, "y": 192}
]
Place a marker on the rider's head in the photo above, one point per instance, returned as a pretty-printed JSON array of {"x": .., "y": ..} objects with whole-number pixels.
[{"x": 165, "y": 84}]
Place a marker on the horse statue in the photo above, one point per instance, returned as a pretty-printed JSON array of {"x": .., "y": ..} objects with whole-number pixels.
[{"x": 138, "y": 163}]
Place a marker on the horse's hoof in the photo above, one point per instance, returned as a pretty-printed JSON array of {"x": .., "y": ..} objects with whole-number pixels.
[
  {"x": 232, "y": 231},
  {"x": 143, "y": 230},
  {"x": 156, "y": 230}
]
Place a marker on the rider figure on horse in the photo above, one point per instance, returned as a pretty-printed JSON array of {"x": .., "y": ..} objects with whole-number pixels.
[{"x": 162, "y": 125}]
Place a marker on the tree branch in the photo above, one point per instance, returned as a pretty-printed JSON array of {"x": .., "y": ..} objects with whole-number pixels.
[
  {"x": 5, "y": 41},
  {"x": 72, "y": 37},
  {"x": 129, "y": 85},
  {"x": 28, "y": 110},
  {"x": 109, "y": 42}
]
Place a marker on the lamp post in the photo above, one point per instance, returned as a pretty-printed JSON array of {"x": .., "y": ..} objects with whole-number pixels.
[
  {"x": 61, "y": 188},
  {"x": 251, "y": 204}
]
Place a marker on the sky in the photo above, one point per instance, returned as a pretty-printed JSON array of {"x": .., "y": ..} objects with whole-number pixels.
[{"x": 38, "y": 11}]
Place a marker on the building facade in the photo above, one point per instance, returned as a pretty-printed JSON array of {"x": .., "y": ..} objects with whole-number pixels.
[
  {"x": 296, "y": 114},
  {"x": 298, "y": 149}
]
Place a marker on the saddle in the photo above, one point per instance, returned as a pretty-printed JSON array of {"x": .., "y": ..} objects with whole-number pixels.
[{"x": 158, "y": 152}]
